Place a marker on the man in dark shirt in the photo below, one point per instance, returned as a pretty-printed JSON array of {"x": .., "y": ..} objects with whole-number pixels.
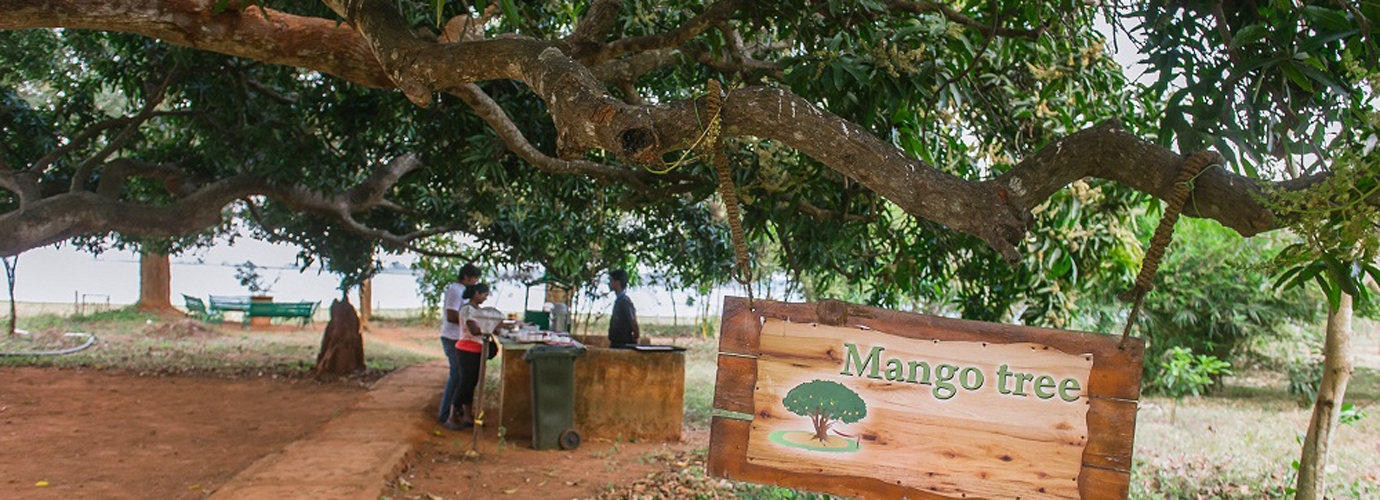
[{"x": 623, "y": 329}]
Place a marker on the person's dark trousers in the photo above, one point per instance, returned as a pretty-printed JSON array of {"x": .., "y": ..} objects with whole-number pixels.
[
  {"x": 469, "y": 377},
  {"x": 622, "y": 345},
  {"x": 452, "y": 381}
]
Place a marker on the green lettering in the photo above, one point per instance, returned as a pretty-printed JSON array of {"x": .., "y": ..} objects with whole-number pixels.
[
  {"x": 925, "y": 367},
  {"x": 1044, "y": 387},
  {"x": 873, "y": 360},
  {"x": 894, "y": 370},
  {"x": 1067, "y": 385},
  {"x": 942, "y": 375},
  {"x": 1021, "y": 379},
  {"x": 1002, "y": 374},
  {"x": 977, "y": 378}
]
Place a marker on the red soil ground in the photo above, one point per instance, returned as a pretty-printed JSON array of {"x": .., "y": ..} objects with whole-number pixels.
[{"x": 93, "y": 434}]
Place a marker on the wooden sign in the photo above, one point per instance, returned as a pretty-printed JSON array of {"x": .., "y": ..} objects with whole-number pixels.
[{"x": 871, "y": 403}]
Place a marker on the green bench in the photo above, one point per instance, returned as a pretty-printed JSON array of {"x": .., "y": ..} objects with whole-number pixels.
[
  {"x": 301, "y": 310},
  {"x": 222, "y": 303},
  {"x": 197, "y": 309}
]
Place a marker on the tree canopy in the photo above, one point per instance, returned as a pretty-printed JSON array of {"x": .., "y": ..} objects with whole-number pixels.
[{"x": 987, "y": 154}]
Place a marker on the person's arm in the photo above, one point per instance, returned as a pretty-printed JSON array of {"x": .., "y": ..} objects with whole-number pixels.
[
  {"x": 473, "y": 328},
  {"x": 453, "y": 302},
  {"x": 632, "y": 314}
]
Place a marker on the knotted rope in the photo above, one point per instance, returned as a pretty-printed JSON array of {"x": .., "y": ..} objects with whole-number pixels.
[
  {"x": 713, "y": 145},
  {"x": 1164, "y": 234}
]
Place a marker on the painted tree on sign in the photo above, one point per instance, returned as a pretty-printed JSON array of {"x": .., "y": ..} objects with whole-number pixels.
[{"x": 825, "y": 401}]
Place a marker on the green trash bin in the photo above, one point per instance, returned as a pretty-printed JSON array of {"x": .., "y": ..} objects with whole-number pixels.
[{"x": 553, "y": 396}]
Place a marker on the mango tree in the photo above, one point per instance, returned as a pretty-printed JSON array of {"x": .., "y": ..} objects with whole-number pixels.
[{"x": 892, "y": 151}]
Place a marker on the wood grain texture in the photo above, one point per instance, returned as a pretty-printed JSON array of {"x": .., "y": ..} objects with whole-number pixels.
[
  {"x": 734, "y": 382},
  {"x": 1111, "y": 393},
  {"x": 976, "y": 443},
  {"x": 1116, "y": 372}
]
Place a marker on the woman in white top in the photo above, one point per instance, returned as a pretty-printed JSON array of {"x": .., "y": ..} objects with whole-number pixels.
[
  {"x": 476, "y": 322},
  {"x": 451, "y": 330}
]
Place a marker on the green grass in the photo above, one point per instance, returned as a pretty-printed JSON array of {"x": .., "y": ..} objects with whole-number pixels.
[
  {"x": 701, "y": 366},
  {"x": 131, "y": 341}
]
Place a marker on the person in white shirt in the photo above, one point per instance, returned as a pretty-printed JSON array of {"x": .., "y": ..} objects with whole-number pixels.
[
  {"x": 451, "y": 332},
  {"x": 477, "y": 322}
]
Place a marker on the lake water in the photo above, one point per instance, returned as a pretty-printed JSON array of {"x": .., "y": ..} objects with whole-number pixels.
[{"x": 64, "y": 275}]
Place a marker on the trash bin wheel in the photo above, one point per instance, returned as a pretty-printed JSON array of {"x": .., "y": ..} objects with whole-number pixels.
[{"x": 569, "y": 439}]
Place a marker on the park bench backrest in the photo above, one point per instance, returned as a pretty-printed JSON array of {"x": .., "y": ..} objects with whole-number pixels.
[
  {"x": 229, "y": 303},
  {"x": 283, "y": 309},
  {"x": 194, "y": 304}
]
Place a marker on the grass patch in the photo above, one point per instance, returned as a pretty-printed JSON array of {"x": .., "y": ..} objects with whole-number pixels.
[
  {"x": 137, "y": 342},
  {"x": 701, "y": 369}
]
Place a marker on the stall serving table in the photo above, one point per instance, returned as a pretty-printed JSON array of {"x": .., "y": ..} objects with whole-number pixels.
[{"x": 620, "y": 394}]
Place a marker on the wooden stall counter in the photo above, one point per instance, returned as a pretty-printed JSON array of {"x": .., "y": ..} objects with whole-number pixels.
[{"x": 620, "y": 394}]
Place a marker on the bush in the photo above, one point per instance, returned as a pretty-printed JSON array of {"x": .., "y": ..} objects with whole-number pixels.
[
  {"x": 1214, "y": 291},
  {"x": 1304, "y": 377}
]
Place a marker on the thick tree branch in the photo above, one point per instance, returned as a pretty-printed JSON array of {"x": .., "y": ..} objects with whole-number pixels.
[
  {"x": 493, "y": 114},
  {"x": 23, "y": 184},
  {"x": 280, "y": 38},
  {"x": 77, "y": 213},
  {"x": 58, "y": 218},
  {"x": 370, "y": 193},
  {"x": 587, "y": 117},
  {"x": 83, "y": 170},
  {"x": 825, "y": 215},
  {"x": 116, "y": 172},
  {"x": 594, "y": 27}
]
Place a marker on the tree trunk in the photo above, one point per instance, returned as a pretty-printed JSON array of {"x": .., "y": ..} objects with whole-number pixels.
[
  {"x": 342, "y": 347},
  {"x": 366, "y": 303},
  {"x": 155, "y": 284},
  {"x": 1337, "y": 367},
  {"x": 11, "y": 267}
]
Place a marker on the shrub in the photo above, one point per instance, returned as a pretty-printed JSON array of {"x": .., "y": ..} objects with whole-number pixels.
[{"x": 1214, "y": 291}]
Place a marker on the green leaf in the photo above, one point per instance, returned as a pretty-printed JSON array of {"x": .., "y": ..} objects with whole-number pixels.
[
  {"x": 1334, "y": 294},
  {"x": 1373, "y": 271},
  {"x": 1324, "y": 18},
  {"x": 1249, "y": 35},
  {"x": 1289, "y": 273},
  {"x": 1341, "y": 275},
  {"x": 219, "y": 6},
  {"x": 510, "y": 11},
  {"x": 1296, "y": 76}
]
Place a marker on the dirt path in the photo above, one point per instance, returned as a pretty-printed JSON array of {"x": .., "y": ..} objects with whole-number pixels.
[
  {"x": 438, "y": 468},
  {"x": 91, "y": 434}
]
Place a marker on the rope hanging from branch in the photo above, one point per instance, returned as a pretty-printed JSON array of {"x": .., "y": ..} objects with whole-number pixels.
[
  {"x": 1164, "y": 234},
  {"x": 713, "y": 144}
]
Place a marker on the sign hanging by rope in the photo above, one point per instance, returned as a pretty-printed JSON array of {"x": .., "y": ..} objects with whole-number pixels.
[{"x": 866, "y": 402}]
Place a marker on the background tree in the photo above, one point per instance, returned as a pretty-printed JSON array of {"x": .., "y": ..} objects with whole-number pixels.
[
  {"x": 825, "y": 402},
  {"x": 11, "y": 266}
]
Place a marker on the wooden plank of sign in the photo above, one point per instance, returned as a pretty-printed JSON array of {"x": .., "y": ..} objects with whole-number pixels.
[
  {"x": 1095, "y": 483},
  {"x": 1115, "y": 373},
  {"x": 957, "y": 446},
  {"x": 1111, "y": 424},
  {"x": 1113, "y": 388},
  {"x": 739, "y": 318},
  {"x": 728, "y": 459},
  {"x": 735, "y": 379}
]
